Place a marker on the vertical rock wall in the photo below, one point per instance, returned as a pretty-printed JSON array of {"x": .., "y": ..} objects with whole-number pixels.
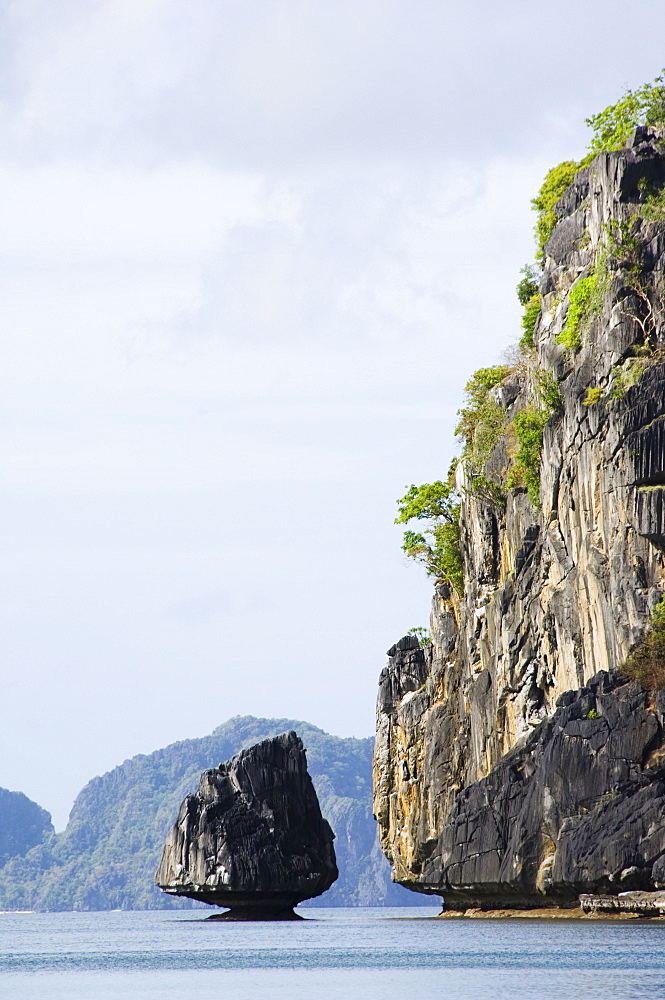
[{"x": 553, "y": 593}]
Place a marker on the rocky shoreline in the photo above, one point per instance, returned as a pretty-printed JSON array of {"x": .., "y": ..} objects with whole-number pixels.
[{"x": 622, "y": 906}]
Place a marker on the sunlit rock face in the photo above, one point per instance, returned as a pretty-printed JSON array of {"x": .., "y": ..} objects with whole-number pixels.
[
  {"x": 468, "y": 771},
  {"x": 252, "y": 838}
]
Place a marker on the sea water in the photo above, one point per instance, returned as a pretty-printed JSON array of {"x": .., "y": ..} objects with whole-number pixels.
[{"x": 360, "y": 954}]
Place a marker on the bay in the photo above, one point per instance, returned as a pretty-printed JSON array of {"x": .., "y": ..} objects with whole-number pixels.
[{"x": 333, "y": 953}]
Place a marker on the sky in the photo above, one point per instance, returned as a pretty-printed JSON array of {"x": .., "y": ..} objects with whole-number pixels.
[{"x": 251, "y": 253}]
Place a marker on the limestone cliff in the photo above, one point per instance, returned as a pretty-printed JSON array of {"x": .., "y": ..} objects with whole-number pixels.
[
  {"x": 483, "y": 787},
  {"x": 252, "y": 838}
]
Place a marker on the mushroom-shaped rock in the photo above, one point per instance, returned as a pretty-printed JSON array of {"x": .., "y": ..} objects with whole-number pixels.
[{"x": 252, "y": 838}]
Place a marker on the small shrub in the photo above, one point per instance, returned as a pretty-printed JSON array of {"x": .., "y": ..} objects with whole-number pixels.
[
  {"x": 548, "y": 390},
  {"x": 530, "y": 320},
  {"x": 592, "y": 714},
  {"x": 625, "y": 375},
  {"x": 489, "y": 428},
  {"x": 528, "y": 285},
  {"x": 422, "y": 635},
  {"x": 580, "y": 301},
  {"x": 557, "y": 180},
  {"x": 593, "y": 396},
  {"x": 646, "y": 661},
  {"x": 482, "y": 418},
  {"x": 529, "y": 426},
  {"x": 653, "y": 207},
  {"x": 438, "y": 550},
  {"x": 486, "y": 490},
  {"x": 623, "y": 244}
]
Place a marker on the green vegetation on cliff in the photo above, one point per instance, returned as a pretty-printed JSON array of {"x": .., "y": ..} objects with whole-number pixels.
[
  {"x": 557, "y": 180},
  {"x": 437, "y": 547},
  {"x": 580, "y": 302},
  {"x": 529, "y": 425},
  {"x": 502, "y": 431},
  {"x": 646, "y": 662},
  {"x": 482, "y": 419},
  {"x": 612, "y": 126}
]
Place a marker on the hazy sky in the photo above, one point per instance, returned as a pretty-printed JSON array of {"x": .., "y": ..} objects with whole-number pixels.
[{"x": 251, "y": 253}]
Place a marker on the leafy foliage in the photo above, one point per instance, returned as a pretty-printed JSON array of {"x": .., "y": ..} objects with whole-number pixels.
[
  {"x": 653, "y": 207},
  {"x": 437, "y": 548},
  {"x": 557, "y": 180},
  {"x": 528, "y": 285},
  {"x": 432, "y": 501},
  {"x": 422, "y": 635},
  {"x": 623, "y": 252},
  {"x": 529, "y": 320},
  {"x": 593, "y": 395},
  {"x": 481, "y": 420},
  {"x": 646, "y": 662},
  {"x": 580, "y": 301},
  {"x": 548, "y": 390},
  {"x": 626, "y": 374},
  {"x": 487, "y": 490},
  {"x": 529, "y": 425},
  {"x": 612, "y": 126}
]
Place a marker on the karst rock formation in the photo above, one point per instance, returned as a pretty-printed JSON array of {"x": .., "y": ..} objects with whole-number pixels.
[
  {"x": 252, "y": 838},
  {"x": 515, "y": 765}
]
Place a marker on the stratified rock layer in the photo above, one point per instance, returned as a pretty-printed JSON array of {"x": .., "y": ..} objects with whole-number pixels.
[
  {"x": 252, "y": 838},
  {"x": 473, "y": 789}
]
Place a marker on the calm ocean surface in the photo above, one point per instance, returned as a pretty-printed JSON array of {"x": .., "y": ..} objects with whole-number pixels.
[{"x": 335, "y": 953}]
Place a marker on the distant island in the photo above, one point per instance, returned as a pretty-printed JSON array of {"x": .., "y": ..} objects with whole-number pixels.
[{"x": 107, "y": 856}]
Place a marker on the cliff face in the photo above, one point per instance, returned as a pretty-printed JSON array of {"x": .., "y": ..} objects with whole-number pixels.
[{"x": 468, "y": 728}]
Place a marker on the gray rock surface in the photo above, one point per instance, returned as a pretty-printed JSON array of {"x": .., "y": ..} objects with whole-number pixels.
[
  {"x": 553, "y": 594},
  {"x": 252, "y": 838},
  {"x": 577, "y": 807},
  {"x": 643, "y": 904}
]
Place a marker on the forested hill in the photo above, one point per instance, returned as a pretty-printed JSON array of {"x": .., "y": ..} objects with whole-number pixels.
[
  {"x": 107, "y": 856},
  {"x": 23, "y": 824}
]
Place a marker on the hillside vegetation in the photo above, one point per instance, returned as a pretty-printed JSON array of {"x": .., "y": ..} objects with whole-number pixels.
[
  {"x": 23, "y": 824},
  {"x": 107, "y": 856}
]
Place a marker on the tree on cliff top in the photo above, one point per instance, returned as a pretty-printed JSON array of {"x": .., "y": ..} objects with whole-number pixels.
[{"x": 438, "y": 547}]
